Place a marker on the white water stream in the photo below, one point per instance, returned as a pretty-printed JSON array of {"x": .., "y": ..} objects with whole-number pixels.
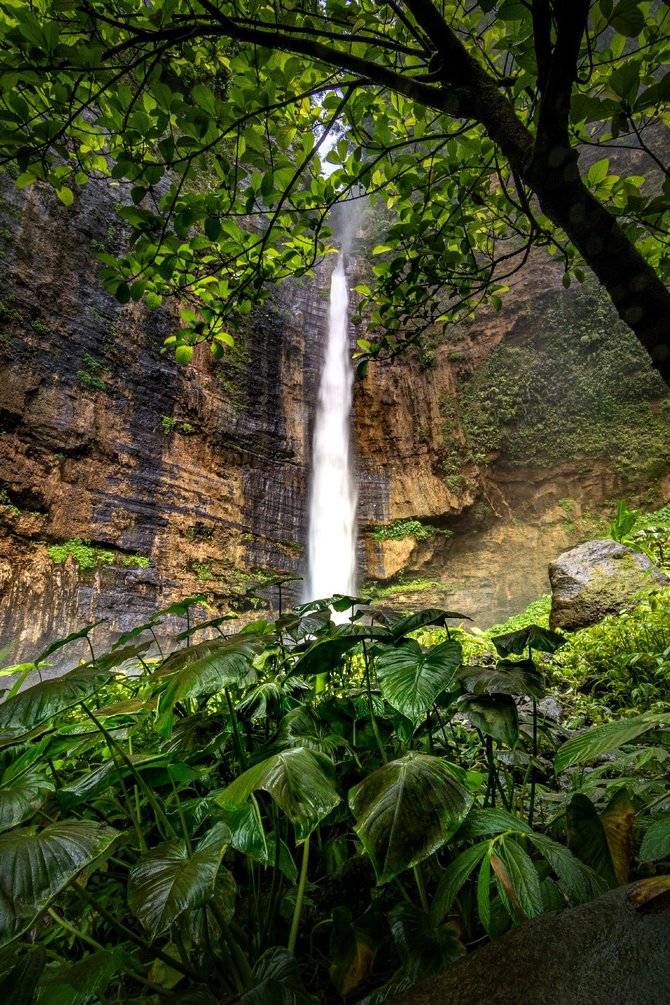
[{"x": 332, "y": 514}]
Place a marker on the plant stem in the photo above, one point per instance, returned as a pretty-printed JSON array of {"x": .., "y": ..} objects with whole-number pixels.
[
  {"x": 237, "y": 743},
  {"x": 133, "y": 936},
  {"x": 421, "y": 887},
  {"x": 293, "y": 935},
  {"x": 373, "y": 719},
  {"x": 75, "y": 931},
  {"x": 531, "y": 811}
]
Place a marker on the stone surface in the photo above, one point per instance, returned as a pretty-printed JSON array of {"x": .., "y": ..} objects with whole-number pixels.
[
  {"x": 603, "y": 953},
  {"x": 597, "y": 578}
]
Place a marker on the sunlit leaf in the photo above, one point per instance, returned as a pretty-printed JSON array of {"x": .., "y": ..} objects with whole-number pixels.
[{"x": 407, "y": 809}]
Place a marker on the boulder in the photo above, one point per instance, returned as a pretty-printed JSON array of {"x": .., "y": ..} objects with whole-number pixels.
[
  {"x": 595, "y": 579},
  {"x": 607, "y": 952}
]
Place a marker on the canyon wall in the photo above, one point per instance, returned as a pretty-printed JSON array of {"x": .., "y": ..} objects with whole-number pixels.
[{"x": 158, "y": 481}]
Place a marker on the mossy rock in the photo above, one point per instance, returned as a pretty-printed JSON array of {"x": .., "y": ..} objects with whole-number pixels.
[
  {"x": 595, "y": 579},
  {"x": 607, "y": 952}
]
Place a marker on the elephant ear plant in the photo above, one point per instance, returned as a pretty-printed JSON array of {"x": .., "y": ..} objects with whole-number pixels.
[{"x": 290, "y": 813}]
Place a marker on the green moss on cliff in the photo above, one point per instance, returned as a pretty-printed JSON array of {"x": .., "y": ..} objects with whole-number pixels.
[{"x": 584, "y": 389}]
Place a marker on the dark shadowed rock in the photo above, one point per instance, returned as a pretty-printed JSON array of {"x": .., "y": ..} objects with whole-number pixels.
[
  {"x": 595, "y": 579},
  {"x": 603, "y": 953}
]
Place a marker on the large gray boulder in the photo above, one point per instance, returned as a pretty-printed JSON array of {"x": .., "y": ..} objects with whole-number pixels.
[
  {"x": 595, "y": 579},
  {"x": 603, "y": 953}
]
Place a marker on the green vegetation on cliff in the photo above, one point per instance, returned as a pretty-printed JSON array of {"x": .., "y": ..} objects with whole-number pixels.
[{"x": 581, "y": 389}]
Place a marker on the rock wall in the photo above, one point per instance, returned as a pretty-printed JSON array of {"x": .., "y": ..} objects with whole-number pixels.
[{"x": 195, "y": 480}]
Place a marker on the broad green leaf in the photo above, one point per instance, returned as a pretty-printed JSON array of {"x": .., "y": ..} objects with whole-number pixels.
[
  {"x": 249, "y": 837},
  {"x": 83, "y": 633},
  {"x": 411, "y": 680},
  {"x": 424, "y": 947},
  {"x": 604, "y": 739},
  {"x": 576, "y": 880},
  {"x": 78, "y": 983},
  {"x": 300, "y": 781},
  {"x": 491, "y": 821},
  {"x": 587, "y": 838},
  {"x": 21, "y": 797},
  {"x": 656, "y": 841},
  {"x": 506, "y": 677},
  {"x": 44, "y": 700},
  {"x": 353, "y": 947},
  {"x": 533, "y": 637},
  {"x": 37, "y": 865},
  {"x": 494, "y": 714},
  {"x": 431, "y": 616},
  {"x": 454, "y": 878},
  {"x": 484, "y": 893},
  {"x": 325, "y": 655},
  {"x": 19, "y": 985},
  {"x": 407, "y": 809},
  {"x": 169, "y": 880},
  {"x": 278, "y": 981},
  {"x": 267, "y": 699},
  {"x": 523, "y": 876},
  {"x": 203, "y": 669}
]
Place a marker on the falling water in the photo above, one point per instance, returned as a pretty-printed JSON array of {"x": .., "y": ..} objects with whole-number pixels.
[{"x": 332, "y": 514}]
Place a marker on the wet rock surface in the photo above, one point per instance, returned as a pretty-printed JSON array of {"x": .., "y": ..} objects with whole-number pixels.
[
  {"x": 604, "y": 953},
  {"x": 597, "y": 578}
]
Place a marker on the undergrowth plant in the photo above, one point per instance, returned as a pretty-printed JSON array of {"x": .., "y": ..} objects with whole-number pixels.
[{"x": 301, "y": 811}]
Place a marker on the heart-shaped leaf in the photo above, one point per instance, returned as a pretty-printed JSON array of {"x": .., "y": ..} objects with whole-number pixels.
[
  {"x": 411, "y": 680},
  {"x": 504, "y": 678},
  {"x": 530, "y": 637},
  {"x": 407, "y": 809},
  {"x": 604, "y": 739},
  {"x": 44, "y": 700},
  {"x": 299, "y": 780},
  {"x": 171, "y": 880},
  {"x": 431, "y": 616},
  {"x": 204, "y": 669},
  {"x": 21, "y": 797},
  {"x": 494, "y": 714},
  {"x": 37, "y": 865}
]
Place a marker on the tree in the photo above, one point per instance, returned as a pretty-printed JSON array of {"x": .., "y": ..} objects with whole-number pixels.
[{"x": 465, "y": 121}]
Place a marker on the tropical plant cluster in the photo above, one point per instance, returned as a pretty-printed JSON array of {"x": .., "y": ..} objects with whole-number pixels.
[{"x": 302, "y": 811}]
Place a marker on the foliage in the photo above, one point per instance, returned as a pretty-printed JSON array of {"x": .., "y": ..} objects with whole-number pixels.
[
  {"x": 85, "y": 555},
  {"x": 237, "y": 818},
  {"x": 582, "y": 389},
  {"x": 463, "y": 124},
  {"x": 88, "y": 556},
  {"x": 400, "y": 529}
]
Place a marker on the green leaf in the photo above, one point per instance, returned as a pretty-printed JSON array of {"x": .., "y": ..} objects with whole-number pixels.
[
  {"x": 532, "y": 636},
  {"x": 20, "y": 798},
  {"x": 656, "y": 841},
  {"x": 494, "y": 714},
  {"x": 37, "y": 865},
  {"x": 507, "y": 677},
  {"x": 454, "y": 878},
  {"x": 424, "y": 947},
  {"x": 484, "y": 893},
  {"x": 77, "y": 983},
  {"x": 19, "y": 985},
  {"x": 523, "y": 876},
  {"x": 353, "y": 947},
  {"x": 299, "y": 780},
  {"x": 587, "y": 838},
  {"x": 169, "y": 880},
  {"x": 411, "y": 680},
  {"x": 204, "y": 669},
  {"x": 576, "y": 880},
  {"x": 598, "y": 171},
  {"x": 278, "y": 981},
  {"x": 44, "y": 700},
  {"x": 431, "y": 616},
  {"x": 407, "y": 809},
  {"x": 604, "y": 739},
  {"x": 490, "y": 822}
]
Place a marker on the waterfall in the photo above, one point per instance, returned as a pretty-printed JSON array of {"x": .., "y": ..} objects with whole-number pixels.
[{"x": 332, "y": 512}]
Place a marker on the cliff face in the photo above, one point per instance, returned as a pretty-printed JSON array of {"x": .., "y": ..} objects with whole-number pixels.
[{"x": 195, "y": 480}]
